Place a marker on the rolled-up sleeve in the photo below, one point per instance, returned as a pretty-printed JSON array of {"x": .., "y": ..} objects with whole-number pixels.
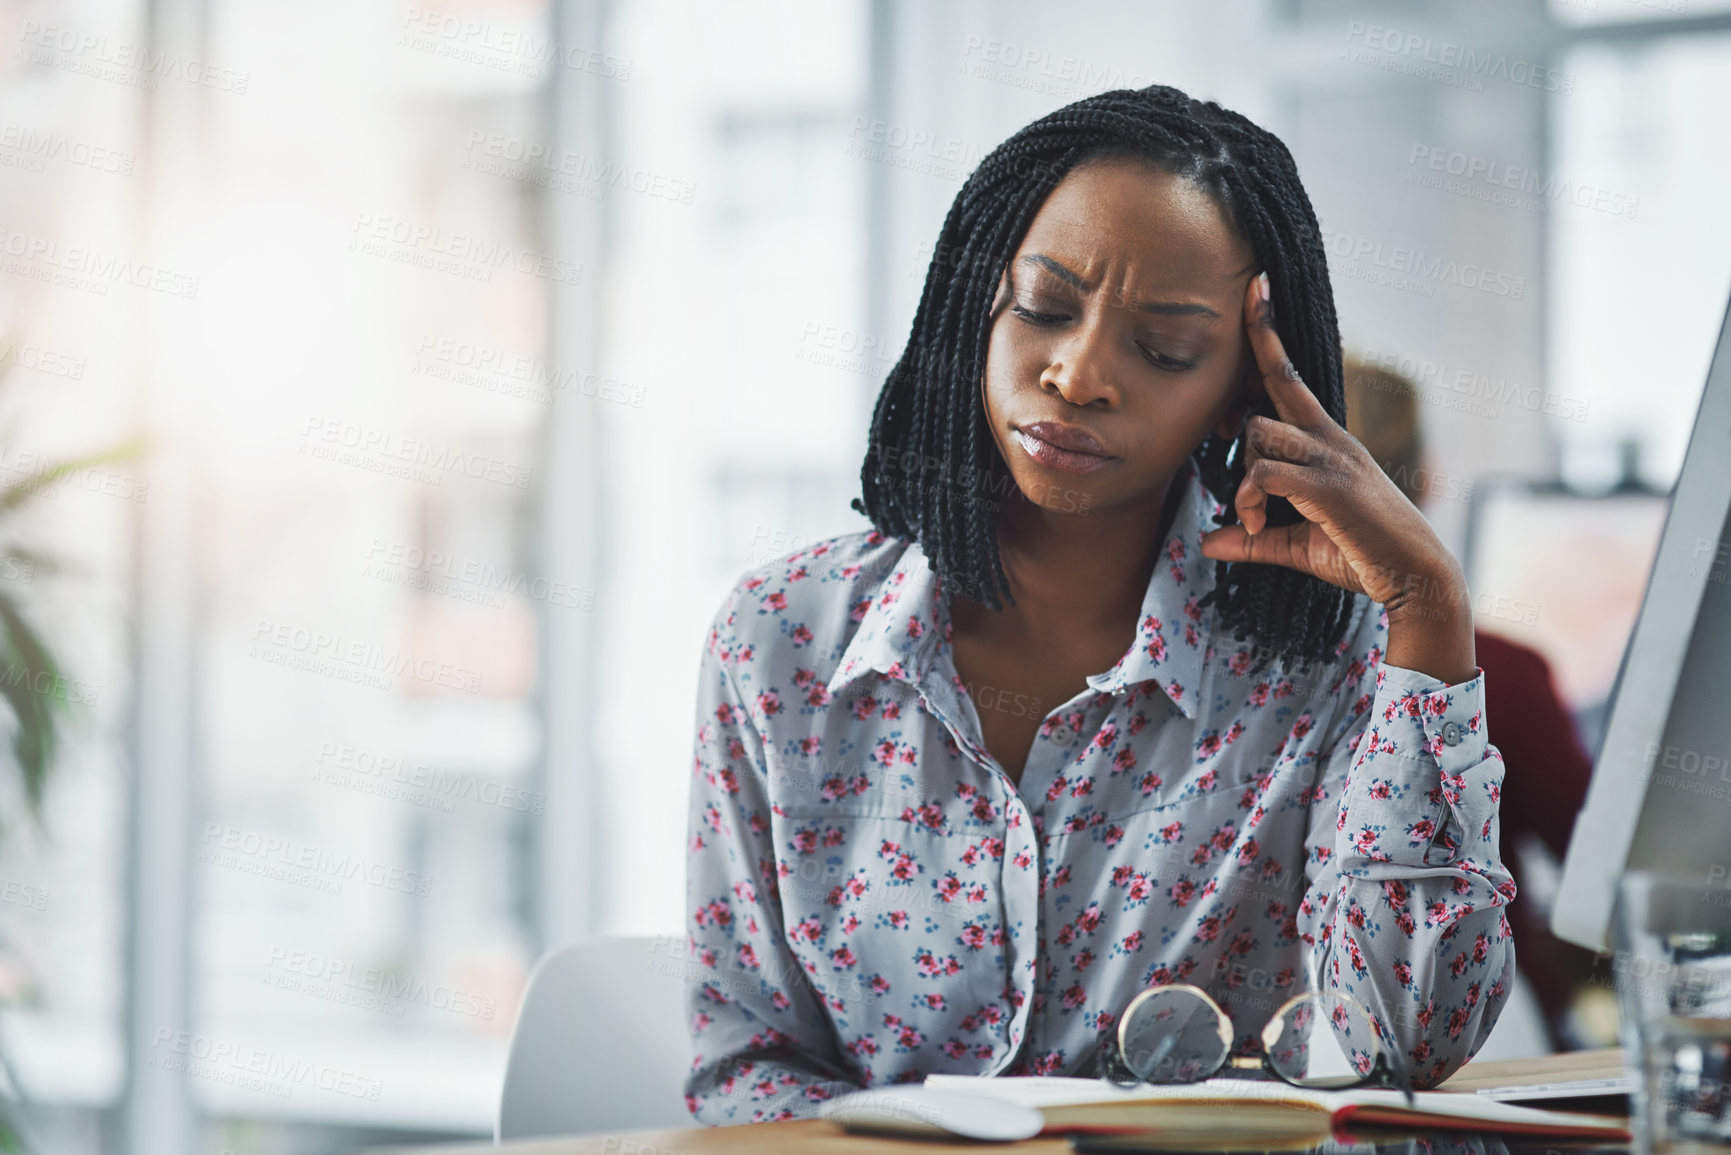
[
  {"x": 1404, "y": 911},
  {"x": 761, "y": 1043}
]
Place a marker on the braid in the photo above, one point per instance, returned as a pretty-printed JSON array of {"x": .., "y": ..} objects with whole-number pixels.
[{"x": 931, "y": 464}]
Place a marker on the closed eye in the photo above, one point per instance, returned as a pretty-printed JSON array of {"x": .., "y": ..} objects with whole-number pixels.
[
  {"x": 1034, "y": 318},
  {"x": 1158, "y": 360},
  {"x": 1162, "y": 361}
]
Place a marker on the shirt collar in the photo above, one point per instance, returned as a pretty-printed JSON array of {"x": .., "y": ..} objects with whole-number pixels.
[
  {"x": 903, "y": 623},
  {"x": 898, "y": 624},
  {"x": 1172, "y": 635}
]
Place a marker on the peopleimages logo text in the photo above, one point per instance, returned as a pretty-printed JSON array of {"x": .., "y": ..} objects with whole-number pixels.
[
  {"x": 43, "y": 146},
  {"x": 256, "y": 1068},
  {"x": 1473, "y": 62},
  {"x": 383, "y": 982},
  {"x": 285, "y": 638},
  {"x": 387, "y": 446},
  {"x": 1515, "y": 185},
  {"x": 445, "y": 251},
  {"x": 102, "y": 267},
  {"x": 1411, "y": 264},
  {"x": 432, "y": 28},
  {"x": 336, "y": 866},
  {"x": 106, "y": 59}
]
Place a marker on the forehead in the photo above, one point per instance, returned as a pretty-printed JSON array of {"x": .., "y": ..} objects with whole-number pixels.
[{"x": 1123, "y": 213}]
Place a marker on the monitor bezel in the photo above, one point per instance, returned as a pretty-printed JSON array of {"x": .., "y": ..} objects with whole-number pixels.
[{"x": 1604, "y": 830}]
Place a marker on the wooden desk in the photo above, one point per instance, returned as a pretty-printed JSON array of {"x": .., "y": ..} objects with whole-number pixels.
[
  {"x": 821, "y": 1138},
  {"x": 799, "y": 1137}
]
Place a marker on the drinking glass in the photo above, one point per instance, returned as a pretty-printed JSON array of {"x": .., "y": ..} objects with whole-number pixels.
[{"x": 1672, "y": 958}]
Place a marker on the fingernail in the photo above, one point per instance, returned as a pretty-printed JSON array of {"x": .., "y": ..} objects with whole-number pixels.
[{"x": 1262, "y": 286}]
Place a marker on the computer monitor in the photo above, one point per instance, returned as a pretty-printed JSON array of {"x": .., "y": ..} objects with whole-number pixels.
[{"x": 1661, "y": 791}]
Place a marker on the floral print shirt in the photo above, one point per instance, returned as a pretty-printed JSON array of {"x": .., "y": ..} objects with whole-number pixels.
[{"x": 871, "y": 899}]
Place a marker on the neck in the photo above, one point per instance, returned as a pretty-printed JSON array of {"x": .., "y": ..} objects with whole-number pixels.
[{"x": 1082, "y": 572}]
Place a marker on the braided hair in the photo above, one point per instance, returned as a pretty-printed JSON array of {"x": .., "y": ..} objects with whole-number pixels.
[{"x": 931, "y": 463}]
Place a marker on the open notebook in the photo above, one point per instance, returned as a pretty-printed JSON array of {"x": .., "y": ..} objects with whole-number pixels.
[
  {"x": 1547, "y": 1078},
  {"x": 1273, "y": 1109}
]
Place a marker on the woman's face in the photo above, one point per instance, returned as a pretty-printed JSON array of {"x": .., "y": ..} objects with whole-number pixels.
[{"x": 1118, "y": 339}]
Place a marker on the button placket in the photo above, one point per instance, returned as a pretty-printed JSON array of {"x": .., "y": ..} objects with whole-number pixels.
[
  {"x": 1018, "y": 889},
  {"x": 1048, "y": 757}
]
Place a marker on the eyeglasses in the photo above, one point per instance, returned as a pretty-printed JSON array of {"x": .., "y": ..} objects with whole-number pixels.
[{"x": 1177, "y": 1034}]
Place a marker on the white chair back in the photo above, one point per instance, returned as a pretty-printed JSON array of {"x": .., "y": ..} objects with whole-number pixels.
[{"x": 600, "y": 1042}]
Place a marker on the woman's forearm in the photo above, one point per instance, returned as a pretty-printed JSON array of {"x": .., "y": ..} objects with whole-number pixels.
[{"x": 1410, "y": 922}]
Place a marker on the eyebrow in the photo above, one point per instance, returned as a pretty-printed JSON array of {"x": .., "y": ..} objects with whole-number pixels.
[{"x": 1164, "y": 308}]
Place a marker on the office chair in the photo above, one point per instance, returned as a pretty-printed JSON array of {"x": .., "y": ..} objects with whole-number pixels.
[{"x": 600, "y": 1042}]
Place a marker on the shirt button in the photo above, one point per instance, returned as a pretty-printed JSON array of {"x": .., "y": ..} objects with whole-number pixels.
[
  {"x": 1452, "y": 733},
  {"x": 1063, "y": 734}
]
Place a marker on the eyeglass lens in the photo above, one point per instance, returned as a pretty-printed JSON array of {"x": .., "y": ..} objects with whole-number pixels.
[
  {"x": 1290, "y": 1044},
  {"x": 1172, "y": 1035}
]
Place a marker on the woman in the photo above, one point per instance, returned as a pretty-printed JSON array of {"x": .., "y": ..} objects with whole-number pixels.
[{"x": 1062, "y": 727}]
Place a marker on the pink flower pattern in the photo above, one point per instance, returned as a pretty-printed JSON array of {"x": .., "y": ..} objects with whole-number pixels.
[{"x": 870, "y": 899}]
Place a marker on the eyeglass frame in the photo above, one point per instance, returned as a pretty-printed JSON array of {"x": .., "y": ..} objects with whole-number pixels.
[{"x": 1110, "y": 1051}]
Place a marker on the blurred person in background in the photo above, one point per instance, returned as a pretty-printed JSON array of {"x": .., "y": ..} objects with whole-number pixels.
[{"x": 1545, "y": 768}]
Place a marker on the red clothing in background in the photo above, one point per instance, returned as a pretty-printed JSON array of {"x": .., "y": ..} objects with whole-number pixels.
[{"x": 1544, "y": 786}]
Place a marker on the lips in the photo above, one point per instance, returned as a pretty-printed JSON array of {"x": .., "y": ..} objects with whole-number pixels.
[
  {"x": 1071, "y": 437},
  {"x": 1066, "y": 447}
]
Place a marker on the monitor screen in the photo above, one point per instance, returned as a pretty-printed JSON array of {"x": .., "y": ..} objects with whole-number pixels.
[{"x": 1661, "y": 790}]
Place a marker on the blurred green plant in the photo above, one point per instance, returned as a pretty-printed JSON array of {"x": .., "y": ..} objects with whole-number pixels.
[
  {"x": 33, "y": 687},
  {"x": 32, "y": 683}
]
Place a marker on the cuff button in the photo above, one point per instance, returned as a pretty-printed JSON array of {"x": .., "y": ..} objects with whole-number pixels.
[{"x": 1452, "y": 733}]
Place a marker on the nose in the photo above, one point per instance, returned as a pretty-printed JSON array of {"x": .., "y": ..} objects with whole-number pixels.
[{"x": 1081, "y": 371}]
